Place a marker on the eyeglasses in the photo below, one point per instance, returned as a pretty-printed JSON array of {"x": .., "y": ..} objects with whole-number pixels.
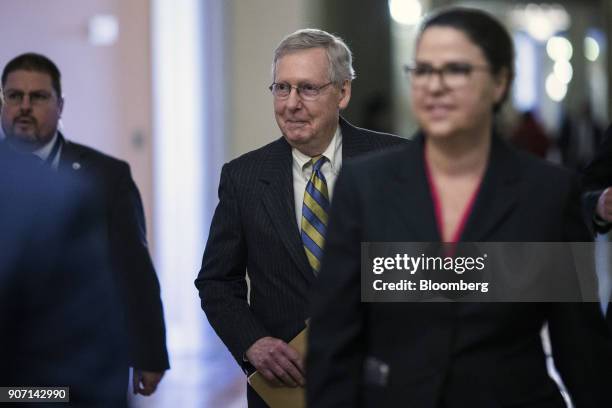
[
  {"x": 15, "y": 98},
  {"x": 453, "y": 75},
  {"x": 308, "y": 92}
]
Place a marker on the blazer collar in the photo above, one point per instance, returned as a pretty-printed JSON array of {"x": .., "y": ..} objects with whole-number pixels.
[
  {"x": 279, "y": 161},
  {"x": 496, "y": 198},
  {"x": 498, "y": 193},
  {"x": 410, "y": 194},
  {"x": 70, "y": 156},
  {"x": 278, "y": 197},
  {"x": 354, "y": 140},
  {"x": 277, "y": 180}
]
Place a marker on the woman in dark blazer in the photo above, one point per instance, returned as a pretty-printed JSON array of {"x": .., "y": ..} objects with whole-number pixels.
[{"x": 457, "y": 182}]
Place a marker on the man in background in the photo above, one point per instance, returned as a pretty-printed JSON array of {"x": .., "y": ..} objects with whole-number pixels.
[{"x": 33, "y": 105}]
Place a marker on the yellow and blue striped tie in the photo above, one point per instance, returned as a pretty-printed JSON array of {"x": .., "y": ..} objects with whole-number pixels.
[{"x": 314, "y": 214}]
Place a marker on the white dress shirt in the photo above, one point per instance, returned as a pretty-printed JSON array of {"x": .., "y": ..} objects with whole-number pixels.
[
  {"x": 45, "y": 151},
  {"x": 302, "y": 172}
]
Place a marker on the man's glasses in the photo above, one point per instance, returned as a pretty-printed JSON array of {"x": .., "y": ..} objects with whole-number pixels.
[
  {"x": 308, "y": 92},
  {"x": 453, "y": 75},
  {"x": 15, "y": 98}
]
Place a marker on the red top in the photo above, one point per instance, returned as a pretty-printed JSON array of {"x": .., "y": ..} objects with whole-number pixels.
[{"x": 438, "y": 205}]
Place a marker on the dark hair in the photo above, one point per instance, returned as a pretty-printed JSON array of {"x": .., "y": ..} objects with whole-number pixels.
[
  {"x": 34, "y": 62},
  {"x": 483, "y": 30}
]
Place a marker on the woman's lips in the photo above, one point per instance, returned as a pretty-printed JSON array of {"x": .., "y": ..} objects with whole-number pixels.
[{"x": 438, "y": 111}]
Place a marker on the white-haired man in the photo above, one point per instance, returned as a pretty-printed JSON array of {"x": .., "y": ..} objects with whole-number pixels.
[{"x": 272, "y": 213}]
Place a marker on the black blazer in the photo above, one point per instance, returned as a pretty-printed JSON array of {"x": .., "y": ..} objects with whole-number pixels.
[
  {"x": 125, "y": 229},
  {"x": 59, "y": 315},
  {"x": 254, "y": 230},
  {"x": 598, "y": 177},
  {"x": 449, "y": 354}
]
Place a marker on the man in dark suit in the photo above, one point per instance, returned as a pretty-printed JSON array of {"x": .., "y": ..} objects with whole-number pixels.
[
  {"x": 59, "y": 318},
  {"x": 272, "y": 212},
  {"x": 32, "y": 108},
  {"x": 597, "y": 184}
]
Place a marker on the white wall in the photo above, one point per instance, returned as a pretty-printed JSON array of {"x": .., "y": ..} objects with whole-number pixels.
[
  {"x": 106, "y": 87},
  {"x": 256, "y": 28}
]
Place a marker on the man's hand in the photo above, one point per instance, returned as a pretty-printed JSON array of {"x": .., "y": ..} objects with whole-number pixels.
[
  {"x": 145, "y": 382},
  {"x": 604, "y": 205},
  {"x": 278, "y": 362}
]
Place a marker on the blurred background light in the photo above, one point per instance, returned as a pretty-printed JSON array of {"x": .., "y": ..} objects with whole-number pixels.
[
  {"x": 541, "y": 21},
  {"x": 555, "y": 89},
  {"x": 563, "y": 71},
  {"x": 407, "y": 12},
  {"x": 538, "y": 25},
  {"x": 103, "y": 29},
  {"x": 591, "y": 49},
  {"x": 559, "y": 49},
  {"x": 524, "y": 93}
]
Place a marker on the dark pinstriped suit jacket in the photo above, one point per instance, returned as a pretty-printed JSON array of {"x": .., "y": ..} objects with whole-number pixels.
[{"x": 254, "y": 230}]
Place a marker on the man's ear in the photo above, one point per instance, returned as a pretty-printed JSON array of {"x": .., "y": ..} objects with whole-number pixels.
[
  {"x": 345, "y": 94},
  {"x": 60, "y": 106}
]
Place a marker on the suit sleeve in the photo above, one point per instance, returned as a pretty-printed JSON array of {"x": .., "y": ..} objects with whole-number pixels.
[
  {"x": 137, "y": 279},
  {"x": 598, "y": 177},
  {"x": 581, "y": 343},
  {"x": 335, "y": 349},
  {"x": 581, "y": 353},
  {"x": 221, "y": 282}
]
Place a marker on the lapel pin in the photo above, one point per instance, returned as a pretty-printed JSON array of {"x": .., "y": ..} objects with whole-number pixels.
[{"x": 76, "y": 165}]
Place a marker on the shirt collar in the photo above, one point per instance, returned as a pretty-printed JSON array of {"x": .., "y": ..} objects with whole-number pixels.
[
  {"x": 45, "y": 151},
  {"x": 333, "y": 154}
]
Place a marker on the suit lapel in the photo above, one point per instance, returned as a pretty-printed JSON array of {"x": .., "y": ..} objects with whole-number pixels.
[
  {"x": 496, "y": 199},
  {"x": 410, "y": 194},
  {"x": 354, "y": 142},
  {"x": 278, "y": 199},
  {"x": 70, "y": 156},
  {"x": 277, "y": 180},
  {"x": 498, "y": 193}
]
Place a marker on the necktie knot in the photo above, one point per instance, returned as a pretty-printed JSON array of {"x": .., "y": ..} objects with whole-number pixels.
[{"x": 317, "y": 162}]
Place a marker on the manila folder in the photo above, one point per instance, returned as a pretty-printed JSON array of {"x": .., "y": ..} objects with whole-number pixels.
[{"x": 280, "y": 396}]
